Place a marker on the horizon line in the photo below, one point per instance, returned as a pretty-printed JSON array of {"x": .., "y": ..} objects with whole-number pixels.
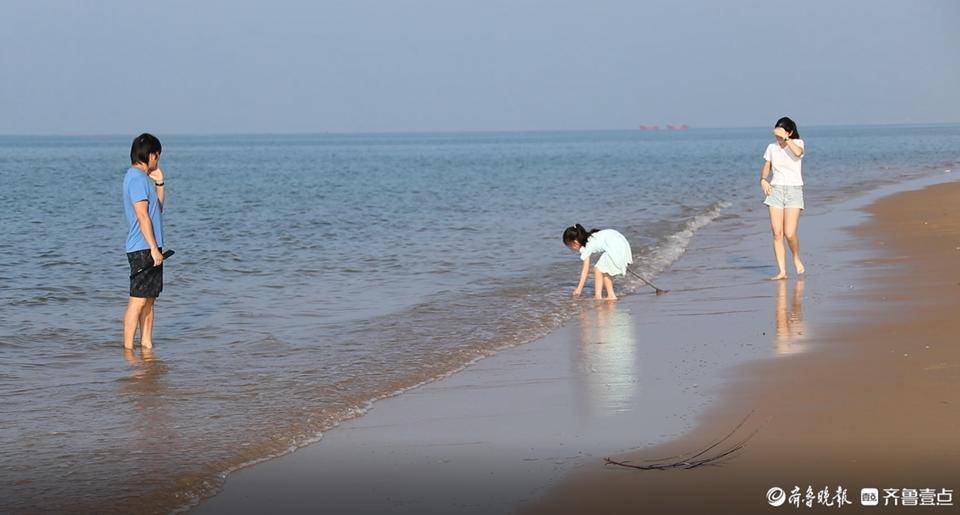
[{"x": 662, "y": 128}]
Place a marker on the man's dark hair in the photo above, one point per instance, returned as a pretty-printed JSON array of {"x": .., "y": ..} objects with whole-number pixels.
[{"x": 144, "y": 145}]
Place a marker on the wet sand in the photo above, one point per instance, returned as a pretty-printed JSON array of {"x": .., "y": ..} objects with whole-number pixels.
[
  {"x": 819, "y": 361},
  {"x": 874, "y": 404}
]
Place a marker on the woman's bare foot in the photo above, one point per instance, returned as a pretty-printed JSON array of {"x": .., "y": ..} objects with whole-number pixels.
[
  {"x": 779, "y": 277},
  {"x": 612, "y": 298},
  {"x": 799, "y": 266}
]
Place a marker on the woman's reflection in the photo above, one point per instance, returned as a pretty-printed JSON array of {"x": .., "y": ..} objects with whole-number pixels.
[{"x": 790, "y": 325}]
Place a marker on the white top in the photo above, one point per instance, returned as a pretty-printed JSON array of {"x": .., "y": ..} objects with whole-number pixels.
[
  {"x": 615, "y": 248},
  {"x": 786, "y": 165}
]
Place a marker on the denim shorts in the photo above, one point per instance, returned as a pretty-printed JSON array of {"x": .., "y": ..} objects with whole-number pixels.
[{"x": 785, "y": 196}]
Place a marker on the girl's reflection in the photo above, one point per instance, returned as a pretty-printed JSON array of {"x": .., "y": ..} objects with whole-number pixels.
[{"x": 607, "y": 358}]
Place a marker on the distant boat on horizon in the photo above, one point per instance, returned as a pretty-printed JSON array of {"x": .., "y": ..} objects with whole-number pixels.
[{"x": 670, "y": 126}]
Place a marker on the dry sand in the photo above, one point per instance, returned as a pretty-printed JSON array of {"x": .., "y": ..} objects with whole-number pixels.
[{"x": 875, "y": 402}]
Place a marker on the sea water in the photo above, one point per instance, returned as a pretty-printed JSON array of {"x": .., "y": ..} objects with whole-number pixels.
[{"x": 315, "y": 274}]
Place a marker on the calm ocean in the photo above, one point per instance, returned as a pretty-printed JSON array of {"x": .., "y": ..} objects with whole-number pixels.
[{"x": 315, "y": 274}]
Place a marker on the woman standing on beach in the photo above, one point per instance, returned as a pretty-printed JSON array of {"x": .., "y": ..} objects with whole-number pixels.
[{"x": 784, "y": 192}]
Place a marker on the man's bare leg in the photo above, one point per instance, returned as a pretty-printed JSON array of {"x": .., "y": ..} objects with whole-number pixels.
[
  {"x": 131, "y": 319},
  {"x": 146, "y": 324}
]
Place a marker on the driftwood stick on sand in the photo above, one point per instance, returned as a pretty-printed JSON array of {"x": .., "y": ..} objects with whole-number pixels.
[{"x": 696, "y": 459}]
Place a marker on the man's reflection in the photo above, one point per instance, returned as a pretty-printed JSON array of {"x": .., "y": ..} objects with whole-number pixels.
[{"x": 146, "y": 391}]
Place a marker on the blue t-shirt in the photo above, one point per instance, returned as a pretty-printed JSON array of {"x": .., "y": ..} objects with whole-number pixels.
[{"x": 137, "y": 186}]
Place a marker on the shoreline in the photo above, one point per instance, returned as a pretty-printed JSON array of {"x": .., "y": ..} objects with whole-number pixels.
[
  {"x": 263, "y": 347},
  {"x": 247, "y": 485},
  {"x": 874, "y": 405},
  {"x": 515, "y": 412}
]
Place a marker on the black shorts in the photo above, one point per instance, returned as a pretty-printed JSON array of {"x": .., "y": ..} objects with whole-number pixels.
[{"x": 149, "y": 283}]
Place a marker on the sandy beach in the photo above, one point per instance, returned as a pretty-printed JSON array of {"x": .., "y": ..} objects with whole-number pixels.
[
  {"x": 874, "y": 404},
  {"x": 382, "y": 224},
  {"x": 849, "y": 373}
]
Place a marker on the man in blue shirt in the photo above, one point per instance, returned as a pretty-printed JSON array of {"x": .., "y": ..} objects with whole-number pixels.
[{"x": 143, "y": 192}]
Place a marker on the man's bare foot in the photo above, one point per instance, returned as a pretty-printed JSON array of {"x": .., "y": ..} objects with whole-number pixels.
[
  {"x": 612, "y": 298},
  {"x": 597, "y": 297},
  {"x": 779, "y": 277},
  {"x": 799, "y": 266},
  {"x": 146, "y": 345}
]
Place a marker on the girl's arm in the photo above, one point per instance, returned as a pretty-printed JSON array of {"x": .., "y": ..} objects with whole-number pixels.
[{"x": 584, "y": 272}]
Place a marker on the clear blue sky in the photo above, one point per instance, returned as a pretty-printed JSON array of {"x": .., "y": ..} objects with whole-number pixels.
[{"x": 120, "y": 67}]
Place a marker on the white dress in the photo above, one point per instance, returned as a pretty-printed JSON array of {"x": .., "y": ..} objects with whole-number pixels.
[{"x": 615, "y": 248}]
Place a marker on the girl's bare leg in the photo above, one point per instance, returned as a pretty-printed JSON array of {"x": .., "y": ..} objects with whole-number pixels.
[
  {"x": 608, "y": 284},
  {"x": 776, "y": 225},
  {"x": 597, "y": 283},
  {"x": 791, "y": 218}
]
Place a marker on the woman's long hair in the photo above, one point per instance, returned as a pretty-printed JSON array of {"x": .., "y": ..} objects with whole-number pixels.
[
  {"x": 577, "y": 233},
  {"x": 788, "y": 125}
]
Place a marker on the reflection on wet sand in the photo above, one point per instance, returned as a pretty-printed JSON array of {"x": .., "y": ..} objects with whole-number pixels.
[
  {"x": 146, "y": 370},
  {"x": 146, "y": 391},
  {"x": 789, "y": 315},
  {"x": 607, "y": 359}
]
